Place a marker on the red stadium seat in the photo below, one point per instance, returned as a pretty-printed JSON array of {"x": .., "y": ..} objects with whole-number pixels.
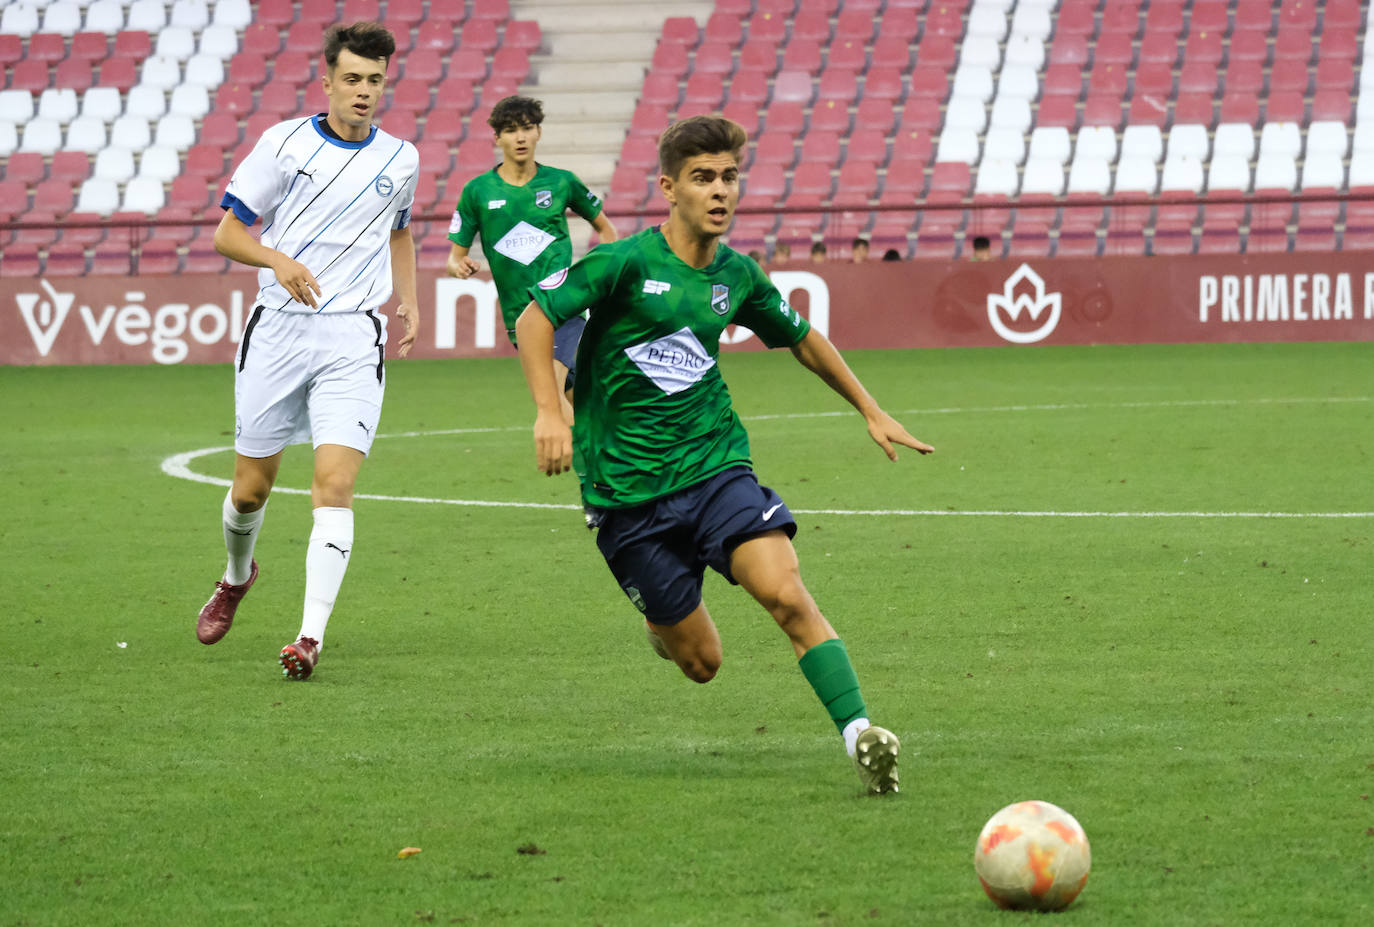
[
  {"x": 921, "y": 114},
  {"x": 1163, "y": 16},
  {"x": 891, "y": 52},
  {"x": 236, "y": 99},
  {"x": 660, "y": 90},
  {"x": 1334, "y": 73},
  {"x": 189, "y": 191},
  {"x": 670, "y": 58},
  {"x": 714, "y": 57},
  {"x": 1288, "y": 74},
  {"x": 875, "y": 114},
  {"x": 793, "y": 86},
  {"x": 765, "y": 183},
  {"x": 1293, "y": 44},
  {"x": 1244, "y": 75},
  {"x": 495, "y": 10},
  {"x": 767, "y": 25},
  {"x": 480, "y": 34},
  {"x": 294, "y": 67},
  {"x": 220, "y": 130},
  {"x": 914, "y": 147},
  {"x": 66, "y": 259},
  {"x": 1067, "y": 79},
  {"x": 850, "y": 54},
  {"x": 1285, "y": 106},
  {"x": 745, "y": 112},
  {"x": 680, "y": 30},
  {"x": 1224, "y": 240},
  {"x": 937, "y": 50},
  {"x": 511, "y": 63},
  {"x": 11, "y": 49},
  {"x": 70, "y": 166},
  {"x": 1192, "y": 108},
  {"x": 435, "y": 35},
  {"x": 649, "y": 119},
  {"x": 26, "y": 167},
  {"x": 723, "y": 27},
  {"x": 317, "y": 13},
  {"x": 784, "y": 116},
  {"x": 205, "y": 162},
  {"x": 1331, "y": 105},
  {"x": 47, "y": 46},
  {"x": 159, "y": 257},
  {"x": 811, "y": 24},
  {"x": 830, "y": 116},
  {"x": 465, "y": 64},
  {"x": 1204, "y": 47},
  {"x": 802, "y": 55},
  {"x": 1254, "y": 16},
  {"x": 748, "y": 86},
  {"x": 118, "y": 72},
  {"x": 1198, "y": 78},
  {"x": 427, "y": 65},
  {"x": 53, "y": 196},
  {"x": 29, "y": 75},
  {"x": 775, "y": 148},
  {"x": 810, "y": 179},
  {"x": 77, "y": 230},
  {"x": 1239, "y": 106},
  {"x": 443, "y": 125},
  {"x": 132, "y": 45},
  {"x": 759, "y": 55},
  {"x": 1103, "y": 109},
  {"x": 1159, "y": 48},
  {"x": 1069, "y": 48},
  {"x": 1113, "y": 48},
  {"x": 524, "y": 34},
  {"x": 886, "y": 83},
  {"x": 1058, "y": 110},
  {"x": 247, "y": 68},
  {"x": 949, "y": 180},
  {"x": 704, "y": 90},
  {"x": 839, "y": 84},
  {"x": 820, "y": 147},
  {"x": 857, "y": 184}
]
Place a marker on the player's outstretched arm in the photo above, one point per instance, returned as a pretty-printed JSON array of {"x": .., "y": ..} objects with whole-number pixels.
[
  {"x": 234, "y": 241},
  {"x": 403, "y": 282},
  {"x": 819, "y": 356},
  {"x": 552, "y": 437},
  {"x": 605, "y": 229},
  {"x": 459, "y": 264}
]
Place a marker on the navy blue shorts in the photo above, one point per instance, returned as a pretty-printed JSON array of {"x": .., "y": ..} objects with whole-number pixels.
[
  {"x": 659, "y": 551},
  {"x": 565, "y": 339}
]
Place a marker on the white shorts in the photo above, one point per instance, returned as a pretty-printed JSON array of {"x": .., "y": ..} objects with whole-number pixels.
[{"x": 308, "y": 375}]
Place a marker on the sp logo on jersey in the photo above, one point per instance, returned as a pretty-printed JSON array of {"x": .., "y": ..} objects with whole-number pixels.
[
  {"x": 543, "y": 198},
  {"x": 720, "y": 299},
  {"x": 384, "y": 186}
]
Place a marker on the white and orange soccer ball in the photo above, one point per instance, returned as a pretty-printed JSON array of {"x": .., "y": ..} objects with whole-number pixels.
[{"x": 1032, "y": 856}]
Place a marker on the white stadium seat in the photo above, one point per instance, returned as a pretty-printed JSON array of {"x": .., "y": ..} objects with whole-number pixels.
[
  {"x": 1281, "y": 138},
  {"x": 104, "y": 103},
  {"x": 1050, "y": 142},
  {"x": 1018, "y": 80},
  {"x": 1142, "y": 141},
  {"x": 996, "y": 176},
  {"x": 204, "y": 71},
  {"x": 64, "y": 18},
  {"x": 98, "y": 196},
  {"x": 1182, "y": 173},
  {"x": 1096, "y": 142},
  {"x": 147, "y": 16},
  {"x": 1189, "y": 139},
  {"x": 19, "y": 19},
  {"x": 16, "y": 106},
  {"x": 220, "y": 41},
  {"x": 1363, "y": 141},
  {"x": 1026, "y": 50},
  {"x": 1032, "y": 21},
  {"x": 175, "y": 131},
  {"x": 966, "y": 113},
  {"x": 1328, "y": 137},
  {"x": 115, "y": 164},
  {"x": 58, "y": 104},
  {"x": 1043, "y": 175},
  {"x": 987, "y": 21},
  {"x": 41, "y": 135},
  {"x": 146, "y": 101},
  {"x": 1088, "y": 174},
  {"x": 1234, "y": 138},
  {"x": 106, "y": 16},
  {"x": 1012, "y": 113},
  {"x": 236, "y": 14},
  {"x": 1228, "y": 172},
  {"x": 9, "y": 139},
  {"x": 1275, "y": 171},
  {"x": 1136, "y": 174},
  {"x": 143, "y": 194},
  {"x": 1361, "y": 172},
  {"x": 190, "y": 100},
  {"x": 957, "y": 144},
  {"x": 175, "y": 42},
  {"x": 972, "y": 82},
  {"x": 131, "y": 132},
  {"x": 981, "y": 50},
  {"x": 1005, "y": 144},
  {"x": 1322, "y": 169},
  {"x": 87, "y": 134},
  {"x": 159, "y": 163},
  {"x": 160, "y": 71},
  {"x": 193, "y": 14}
]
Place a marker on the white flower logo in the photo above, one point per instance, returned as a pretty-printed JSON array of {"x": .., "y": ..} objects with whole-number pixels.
[{"x": 1011, "y": 304}]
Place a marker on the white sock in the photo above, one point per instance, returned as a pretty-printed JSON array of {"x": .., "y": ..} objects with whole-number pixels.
[
  {"x": 326, "y": 561},
  {"x": 851, "y": 733},
  {"x": 240, "y": 536}
]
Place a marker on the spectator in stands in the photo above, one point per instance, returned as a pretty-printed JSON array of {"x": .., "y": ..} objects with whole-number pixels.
[
  {"x": 310, "y": 360},
  {"x": 671, "y": 501},
  {"x": 982, "y": 249},
  {"x": 757, "y": 255},
  {"x": 892, "y": 254},
  {"x": 818, "y": 253},
  {"x": 782, "y": 253},
  {"x": 519, "y": 208},
  {"x": 859, "y": 250}
]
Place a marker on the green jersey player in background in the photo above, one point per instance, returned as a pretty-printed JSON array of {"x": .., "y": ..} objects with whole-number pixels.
[
  {"x": 662, "y": 457},
  {"x": 518, "y": 207}
]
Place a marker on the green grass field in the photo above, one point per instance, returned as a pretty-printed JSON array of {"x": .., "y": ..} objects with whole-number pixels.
[{"x": 1118, "y": 586}]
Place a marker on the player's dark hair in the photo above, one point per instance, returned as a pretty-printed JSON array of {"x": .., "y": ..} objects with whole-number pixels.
[
  {"x": 859, "y": 241},
  {"x": 818, "y": 248},
  {"x": 513, "y": 112},
  {"x": 364, "y": 39},
  {"x": 982, "y": 241},
  {"x": 698, "y": 135}
]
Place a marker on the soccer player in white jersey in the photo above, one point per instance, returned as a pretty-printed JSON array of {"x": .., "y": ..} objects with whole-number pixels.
[{"x": 333, "y": 194}]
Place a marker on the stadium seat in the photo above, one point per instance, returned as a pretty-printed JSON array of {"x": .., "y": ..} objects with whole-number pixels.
[
  {"x": 1057, "y": 111},
  {"x": 1280, "y": 138},
  {"x": 41, "y": 135},
  {"x": 1006, "y": 144},
  {"x": 132, "y": 44},
  {"x": 775, "y": 147},
  {"x": 53, "y": 196},
  {"x": 175, "y": 42},
  {"x": 143, "y": 194},
  {"x": 146, "y": 102},
  {"x": 86, "y": 135},
  {"x": 1275, "y": 171},
  {"x": 1327, "y": 137},
  {"x": 58, "y": 104},
  {"x": 1182, "y": 172},
  {"x": 958, "y": 144},
  {"x": 1050, "y": 143},
  {"x": 160, "y": 72},
  {"x": 1042, "y": 176},
  {"x": 261, "y": 40},
  {"x": 148, "y": 16},
  {"x": 132, "y": 132},
  {"x": 1088, "y": 174},
  {"x": 829, "y": 116},
  {"x": 65, "y": 259},
  {"x": 996, "y": 176},
  {"x": 114, "y": 164},
  {"x": 1230, "y": 172},
  {"x": 888, "y": 84},
  {"x": 160, "y": 163},
  {"x": 1097, "y": 142},
  {"x": 29, "y": 75},
  {"x": 1329, "y": 105},
  {"x": 173, "y": 131},
  {"x": 1136, "y": 174},
  {"x": 47, "y": 47},
  {"x": 523, "y": 34},
  {"x": 26, "y": 167},
  {"x": 104, "y": 16},
  {"x": 1193, "y": 109},
  {"x": 192, "y": 100}
]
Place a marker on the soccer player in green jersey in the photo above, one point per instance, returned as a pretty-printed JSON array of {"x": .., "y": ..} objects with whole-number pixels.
[
  {"x": 518, "y": 207},
  {"x": 662, "y": 457}
]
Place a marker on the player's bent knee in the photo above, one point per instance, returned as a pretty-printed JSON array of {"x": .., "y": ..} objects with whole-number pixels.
[{"x": 700, "y": 668}]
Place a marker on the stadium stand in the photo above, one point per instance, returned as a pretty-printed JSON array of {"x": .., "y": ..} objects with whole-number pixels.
[{"x": 915, "y": 122}]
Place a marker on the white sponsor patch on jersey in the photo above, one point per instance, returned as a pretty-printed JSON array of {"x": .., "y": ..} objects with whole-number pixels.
[
  {"x": 554, "y": 280},
  {"x": 523, "y": 243},
  {"x": 655, "y": 287},
  {"x": 495, "y": 204},
  {"x": 455, "y": 225},
  {"x": 674, "y": 362}
]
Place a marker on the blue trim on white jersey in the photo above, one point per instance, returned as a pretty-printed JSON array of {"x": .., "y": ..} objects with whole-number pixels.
[
  {"x": 244, "y": 214},
  {"x": 402, "y": 220},
  {"x": 372, "y": 133}
]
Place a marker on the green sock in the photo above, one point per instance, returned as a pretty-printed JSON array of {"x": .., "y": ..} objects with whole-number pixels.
[{"x": 826, "y": 666}]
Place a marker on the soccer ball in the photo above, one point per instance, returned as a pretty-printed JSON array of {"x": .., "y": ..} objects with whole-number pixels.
[{"x": 1032, "y": 856}]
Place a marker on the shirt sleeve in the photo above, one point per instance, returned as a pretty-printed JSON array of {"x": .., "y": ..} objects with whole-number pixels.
[
  {"x": 462, "y": 228},
  {"x": 768, "y": 314},
  {"x": 581, "y": 200},
  {"x": 586, "y": 285},
  {"x": 406, "y": 201},
  {"x": 258, "y": 184}
]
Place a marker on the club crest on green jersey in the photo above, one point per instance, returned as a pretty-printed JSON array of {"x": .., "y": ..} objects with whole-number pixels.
[
  {"x": 543, "y": 198},
  {"x": 720, "y": 299}
]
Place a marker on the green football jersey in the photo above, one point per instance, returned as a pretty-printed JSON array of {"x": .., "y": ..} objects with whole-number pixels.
[
  {"x": 524, "y": 229},
  {"x": 653, "y": 414}
]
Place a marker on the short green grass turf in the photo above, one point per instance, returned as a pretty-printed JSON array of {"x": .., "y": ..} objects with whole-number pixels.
[{"x": 1193, "y": 688}]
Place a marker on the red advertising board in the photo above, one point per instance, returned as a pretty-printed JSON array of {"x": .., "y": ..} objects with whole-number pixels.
[{"x": 1305, "y": 296}]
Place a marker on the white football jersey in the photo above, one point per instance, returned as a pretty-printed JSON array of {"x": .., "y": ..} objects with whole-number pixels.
[{"x": 329, "y": 204}]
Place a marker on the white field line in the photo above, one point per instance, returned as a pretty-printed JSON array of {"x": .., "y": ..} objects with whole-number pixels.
[{"x": 179, "y": 466}]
